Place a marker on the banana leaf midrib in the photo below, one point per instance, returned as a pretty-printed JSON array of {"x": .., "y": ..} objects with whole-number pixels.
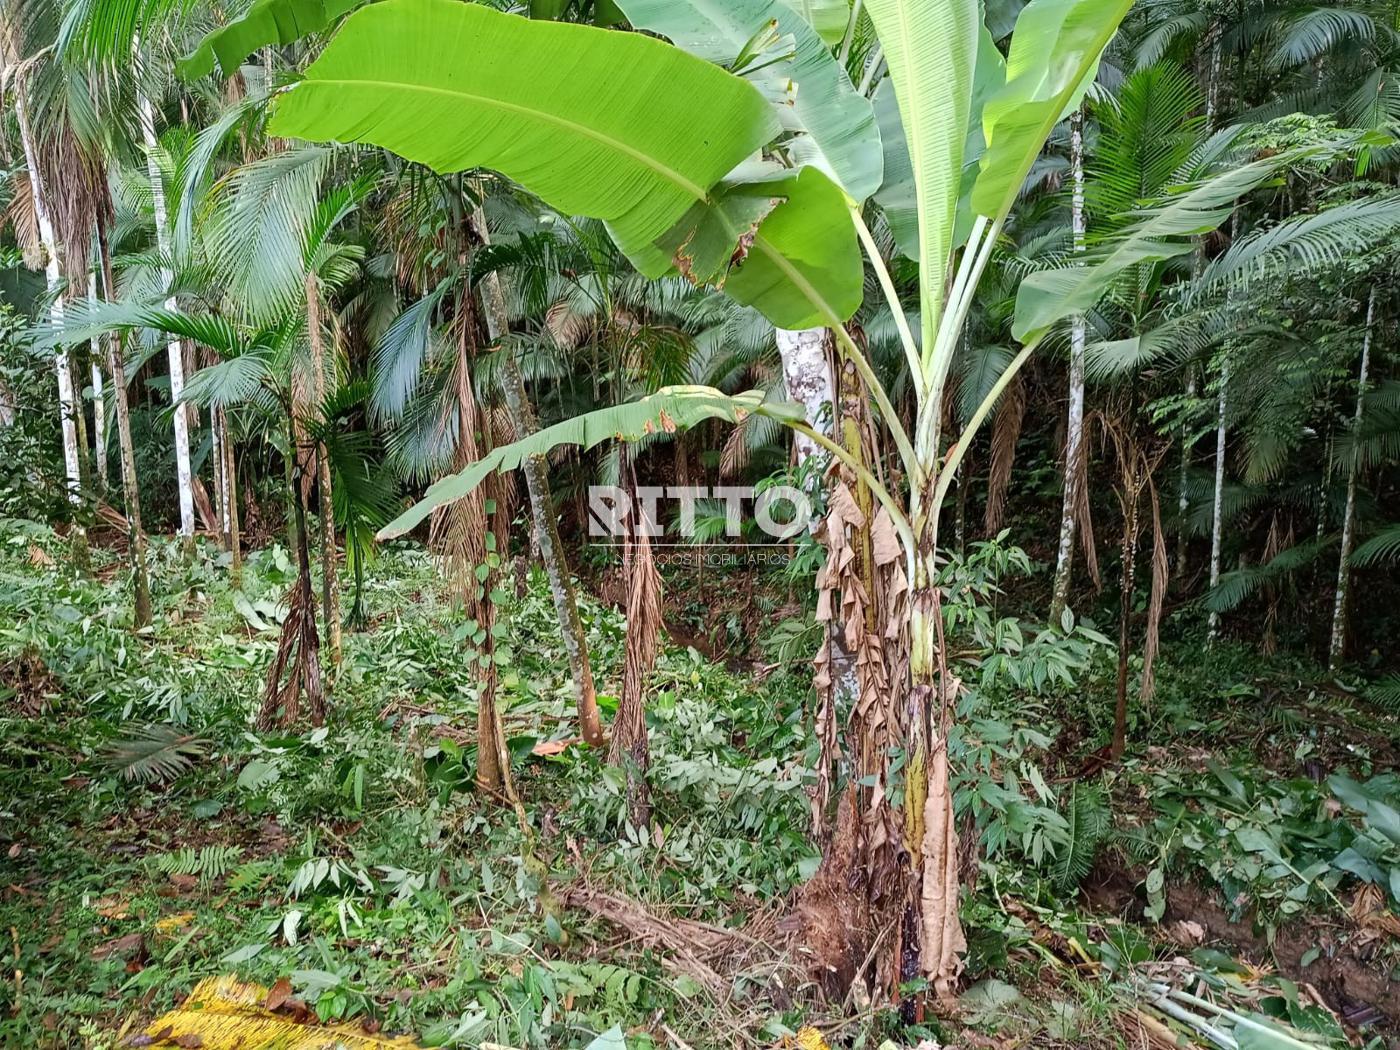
[{"x": 696, "y": 191}]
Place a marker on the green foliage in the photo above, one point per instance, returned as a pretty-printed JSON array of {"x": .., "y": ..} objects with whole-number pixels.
[
  {"x": 208, "y": 862},
  {"x": 837, "y": 126},
  {"x": 1088, "y": 821},
  {"x": 640, "y": 162},
  {"x": 668, "y": 409},
  {"x": 266, "y": 22}
]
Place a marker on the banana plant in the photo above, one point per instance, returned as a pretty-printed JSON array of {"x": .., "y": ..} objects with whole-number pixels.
[{"x": 696, "y": 167}]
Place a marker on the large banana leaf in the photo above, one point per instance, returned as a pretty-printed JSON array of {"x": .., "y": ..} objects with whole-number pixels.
[
  {"x": 841, "y": 137},
  {"x": 804, "y": 267},
  {"x": 931, "y": 48},
  {"x": 616, "y": 126},
  {"x": 783, "y": 244},
  {"x": 897, "y": 197},
  {"x": 1053, "y": 58},
  {"x": 266, "y": 22},
  {"x": 669, "y": 409},
  {"x": 827, "y": 17}
]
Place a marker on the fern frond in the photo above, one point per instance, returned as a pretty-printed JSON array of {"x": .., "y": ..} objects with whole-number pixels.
[
  {"x": 209, "y": 862},
  {"x": 1089, "y": 821}
]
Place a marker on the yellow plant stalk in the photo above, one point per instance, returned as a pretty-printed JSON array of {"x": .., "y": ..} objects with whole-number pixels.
[{"x": 227, "y": 1014}]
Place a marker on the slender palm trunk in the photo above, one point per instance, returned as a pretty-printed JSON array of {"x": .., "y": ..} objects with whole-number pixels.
[
  {"x": 67, "y": 404},
  {"x": 126, "y": 455},
  {"x": 1074, "y": 430},
  {"x": 1217, "y": 513},
  {"x": 1183, "y": 502},
  {"x": 546, "y": 529},
  {"x": 216, "y": 457},
  {"x": 99, "y": 405},
  {"x": 1126, "y": 581},
  {"x": 234, "y": 541},
  {"x": 330, "y": 584},
  {"x": 1337, "y": 647},
  {"x": 630, "y": 748},
  {"x": 174, "y": 351}
]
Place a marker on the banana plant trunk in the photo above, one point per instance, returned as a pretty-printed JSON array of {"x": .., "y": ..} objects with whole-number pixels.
[
  {"x": 546, "y": 529},
  {"x": 174, "y": 351},
  {"x": 1337, "y": 646},
  {"x": 930, "y": 827}
]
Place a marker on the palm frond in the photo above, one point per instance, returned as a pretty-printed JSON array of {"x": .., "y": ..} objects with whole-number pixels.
[
  {"x": 1235, "y": 587},
  {"x": 154, "y": 753},
  {"x": 1380, "y": 549}
]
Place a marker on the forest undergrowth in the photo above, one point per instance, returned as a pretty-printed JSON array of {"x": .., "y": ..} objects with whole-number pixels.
[{"x": 149, "y": 839}]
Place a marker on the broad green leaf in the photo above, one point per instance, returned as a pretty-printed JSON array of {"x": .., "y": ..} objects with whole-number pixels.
[
  {"x": 931, "y": 48},
  {"x": 827, "y": 17},
  {"x": 669, "y": 409},
  {"x": 987, "y": 80},
  {"x": 1053, "y": 57},
  {"x": 1260, "y": 1032},
  {"x": 710, "y": 237},
  {"x": 1051, "y": 295},
  {"x": 612, "y": 1039},
  {"x": 896, "y": 197},
  {"x": 616, "y": 126},
  {"x": 804, "y": 267},
  {"x": 266, "y": 22},
  {"x": 812, "y": 91},
  {"x": 779, "y": 240}
]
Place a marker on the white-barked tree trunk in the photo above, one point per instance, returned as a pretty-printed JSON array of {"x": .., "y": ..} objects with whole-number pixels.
[{"x": 175, "y": 352}]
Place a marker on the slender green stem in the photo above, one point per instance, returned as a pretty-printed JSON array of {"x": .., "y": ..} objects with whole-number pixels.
[
  {"x": 960, "y": 302},
  {"x": 912, "y": 467},
  {"x": 955, "y": 457},
  {"x": 901, "y": 323},
  {"x": 872, "y": 71},
  {"x": 974, "y": 260},
  {"x": 849, "y": 38},
  {"x": 974, "y": 240},
  {"x": 901, "y": 522}
]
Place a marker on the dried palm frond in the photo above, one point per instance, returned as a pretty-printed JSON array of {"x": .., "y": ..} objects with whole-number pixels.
[
  {"x": 296, "y": 668},
  {"x": 154, "y": 753},
  {"x": 735, "y": 456},
  {"x": 629, "y": 747},
  {"x": 20, "y": 217},
  {"x": 74, "y": 181},
  {"x": 1006, "y": 431}
]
